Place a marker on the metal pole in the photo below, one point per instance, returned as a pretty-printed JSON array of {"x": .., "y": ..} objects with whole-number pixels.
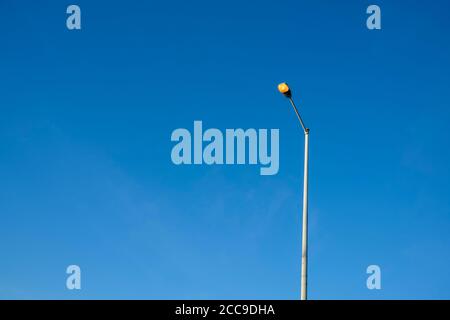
[
  {"x": 298, "y": 115},
  {"x": 303, "y": 292}
]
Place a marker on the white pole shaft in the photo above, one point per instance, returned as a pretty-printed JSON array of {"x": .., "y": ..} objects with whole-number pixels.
[{"x": 303, "y": 292}]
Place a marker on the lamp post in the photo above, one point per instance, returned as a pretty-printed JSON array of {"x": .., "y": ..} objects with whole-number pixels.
[{"x": 286, "y": 91}]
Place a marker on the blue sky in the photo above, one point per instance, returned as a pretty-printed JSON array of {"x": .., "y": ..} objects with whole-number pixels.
[{"x": 86, "y": 176}]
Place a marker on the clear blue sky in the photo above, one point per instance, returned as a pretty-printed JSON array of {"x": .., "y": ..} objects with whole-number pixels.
[{"x": 86, "y": 176}]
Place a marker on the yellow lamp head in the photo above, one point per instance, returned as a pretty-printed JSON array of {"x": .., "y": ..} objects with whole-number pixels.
[{"x": 284, "y": 89}]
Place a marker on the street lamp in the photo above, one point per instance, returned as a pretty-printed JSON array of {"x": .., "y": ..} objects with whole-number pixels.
[{"x": 286, "y": 91}]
